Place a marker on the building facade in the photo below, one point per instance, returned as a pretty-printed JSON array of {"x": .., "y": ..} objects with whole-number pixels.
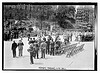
[{"x": 85, "y": 17}]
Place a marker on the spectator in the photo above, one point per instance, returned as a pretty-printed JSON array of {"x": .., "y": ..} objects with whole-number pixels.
[
  {"x": 20, "y": 47},
  {"x": 14, "y": 46},
  {"x": 43, "y": 48},
  {"x": 28, "y": 36}
]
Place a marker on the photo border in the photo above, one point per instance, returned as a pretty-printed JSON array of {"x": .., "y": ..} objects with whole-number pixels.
[{"x": 54, "y": 3}]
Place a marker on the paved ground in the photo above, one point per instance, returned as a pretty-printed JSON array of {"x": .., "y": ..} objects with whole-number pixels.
[{"x": 82, "y": 60}]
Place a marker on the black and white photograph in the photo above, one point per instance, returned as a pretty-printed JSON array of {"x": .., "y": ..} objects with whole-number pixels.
[{"x": 49, "y": 36}]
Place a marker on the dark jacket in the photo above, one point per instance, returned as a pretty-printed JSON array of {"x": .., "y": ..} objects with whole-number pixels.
[
  {"x": 31, "y": 42},
  {"x": 48, "y": 42},
  {"x": 58, "y": 43},
  {"x": 14, "y": 46},
  {"x": 52, "y": 45},
  {"x": 32, "y": 51}
]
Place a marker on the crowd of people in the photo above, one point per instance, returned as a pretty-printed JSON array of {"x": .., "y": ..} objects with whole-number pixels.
[{"x": 44, "y": 44}]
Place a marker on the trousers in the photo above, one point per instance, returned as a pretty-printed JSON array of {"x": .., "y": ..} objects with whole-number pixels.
[
  {"x": 31, "y": 58},
  {"x": 14, "y": 53},
  {"x": 52, "y": 51},
  {"x": 43, "y": 53},
  {"x": 37, "y": 55},
  {"x": 20, "y": 52}
]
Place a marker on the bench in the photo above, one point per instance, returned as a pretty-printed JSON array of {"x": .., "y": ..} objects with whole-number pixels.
[{"x": 75, "y": 50}]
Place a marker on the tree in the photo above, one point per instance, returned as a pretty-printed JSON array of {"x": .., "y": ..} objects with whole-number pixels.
[
  {"x": 64, "y": 13},
  {"x": 42, "y": 12}
]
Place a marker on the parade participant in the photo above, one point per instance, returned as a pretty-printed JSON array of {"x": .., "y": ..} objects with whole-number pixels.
[
  {"x": 57, "y": 46},
  {"x": 65, "y": 41},
  {"x": 34, "y": 40},
  {"x": 71, "y": 36},
  {"x": 39, "y": 40},
  {"x": 31, "y": 41},
  {"x": 32, "y": 52},
  {"x": 14, "y": 46},
  {"x": 28, "y": 36},
  {"x": 68, "y": 38},
  {"x": 43, "y": 48},
  {"x": 11, "y": 36},
  {"x": 37, "y": 49},
  {"x": 48, "y": 45},
  {"x": 20, "y": 47},
  {"x": 81, "y": 37},
  {"x": 52, "y": 47},
  {"x": 21, "y": 37}
]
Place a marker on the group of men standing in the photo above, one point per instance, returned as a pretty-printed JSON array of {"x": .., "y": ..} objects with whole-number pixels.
[
  {"x": 20, "y": 48},
  {"x": 45, "y": 46}
]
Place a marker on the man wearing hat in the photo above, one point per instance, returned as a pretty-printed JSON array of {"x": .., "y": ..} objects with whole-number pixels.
[
  {"x": 43, "y": 48},
  {"x": 36, "y": 43},
  {"x": 14, "y": 46},
  {"x": 31, "y": 50}
]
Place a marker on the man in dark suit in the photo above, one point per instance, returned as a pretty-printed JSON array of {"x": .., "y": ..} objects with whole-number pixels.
[
  {"x": 47, "y": 48},
  {"x": 28, "y": 36},
  {"x": 52, "y": 47},
  {"x": 36, "y": 49},
  {"x": 14, "y": 46}
]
